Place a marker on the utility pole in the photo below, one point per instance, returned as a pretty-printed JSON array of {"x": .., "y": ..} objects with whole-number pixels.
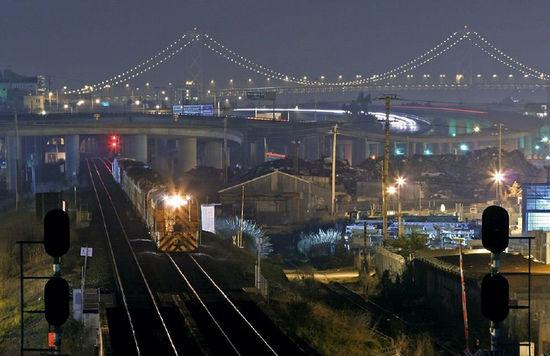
[
  {"x": 16, "y": 159},
  {"x": 333, "y": 190},
  {"x": 463, "y": 297},
  {"x": 499, "y": 193},
  {"x": 365, "y": 247},
  {"x": 399, "y": 212},
  {"x": 420, "y": 196},
  {"x": 258, "y": 261},
  {"x": 225, "y": 158},
  {"x": 240, "y": 237},
  {"x": 386, "y": 164},
  {"x": 296, "y": 152}
]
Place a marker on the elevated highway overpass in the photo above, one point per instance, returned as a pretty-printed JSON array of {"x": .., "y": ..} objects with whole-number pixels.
[{"x": 188, "y": 142}]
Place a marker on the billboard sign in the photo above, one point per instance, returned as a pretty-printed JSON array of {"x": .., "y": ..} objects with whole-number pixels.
[
  {"x": 261, "y": 95},
  {"x": 208, "y": 216},
  {"x": 199, "y": 110}
]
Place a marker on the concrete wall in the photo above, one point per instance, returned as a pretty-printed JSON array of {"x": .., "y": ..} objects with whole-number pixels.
[
  {"x": 385, "y": 260},
  {"x": 441, "y": 283}
]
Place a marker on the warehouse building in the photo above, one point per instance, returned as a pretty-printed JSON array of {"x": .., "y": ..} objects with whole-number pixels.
[{"x": 277, "y": 198}]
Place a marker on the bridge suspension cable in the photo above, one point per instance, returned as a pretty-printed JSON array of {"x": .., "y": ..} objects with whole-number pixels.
[
  {"x": 148, "y": 64},
  {"x": 232, "y": 56},
  {"x": 494, "y": 52}
]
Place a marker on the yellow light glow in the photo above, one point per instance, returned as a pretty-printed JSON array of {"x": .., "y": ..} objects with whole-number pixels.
[
  {"x": 498, "y": 176},
  {"x": 175, "y": 201},
  {"x": 392, "y": 190},
  {"x": 400, "y": 181}
]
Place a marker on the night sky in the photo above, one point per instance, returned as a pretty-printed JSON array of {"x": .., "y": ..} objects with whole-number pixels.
[{"x": 77, "y": 41}]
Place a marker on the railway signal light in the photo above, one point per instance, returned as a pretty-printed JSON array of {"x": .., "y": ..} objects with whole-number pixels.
[
  {"x": 114, "y": 141},
  {"x": 56, "y": 233},
  {"x": 495, "y": 297},
  {"x": 56, "y": 301},
  {"x": 495, "y": 225}
]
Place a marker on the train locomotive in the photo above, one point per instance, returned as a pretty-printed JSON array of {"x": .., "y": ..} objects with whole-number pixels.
[{"x": 172, "y": 217}]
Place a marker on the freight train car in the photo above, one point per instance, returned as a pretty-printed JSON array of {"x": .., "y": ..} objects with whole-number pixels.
[{"x": 171, "y": 216}]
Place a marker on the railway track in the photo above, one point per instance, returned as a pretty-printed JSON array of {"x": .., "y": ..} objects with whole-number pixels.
[
  {"x": 149, "y": 333},
  {"x": 224, "y": 328}
]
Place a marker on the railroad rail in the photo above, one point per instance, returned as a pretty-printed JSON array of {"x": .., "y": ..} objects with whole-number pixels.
[
  {"x": 226, "y": 328},
  {"x": 149, "y": 333}
]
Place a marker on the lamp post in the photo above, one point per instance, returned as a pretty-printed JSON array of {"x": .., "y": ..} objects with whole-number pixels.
[
  {"x": 498, "y": 177},
  {"x": 399, "y": 183},
  {"x": 333, "y": 175},
  {"x": 547, "y": 158},
  {"x": 389, "y": 192}
]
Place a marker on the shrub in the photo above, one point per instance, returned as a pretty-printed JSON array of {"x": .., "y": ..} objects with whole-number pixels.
[{"x": 253, "y": 235}]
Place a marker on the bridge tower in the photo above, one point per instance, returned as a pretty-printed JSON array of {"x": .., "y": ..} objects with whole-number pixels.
[
  {"x": 464, "y": 70},
  {"x": 193, "y": 78}
]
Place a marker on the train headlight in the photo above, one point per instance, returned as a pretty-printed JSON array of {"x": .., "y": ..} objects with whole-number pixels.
[{"x": 175, "y": 201}]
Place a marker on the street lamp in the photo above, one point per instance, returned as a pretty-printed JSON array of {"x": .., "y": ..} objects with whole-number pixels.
[
  {"x": 399, "y": 182},
  {"x": 498, "y": 177}
]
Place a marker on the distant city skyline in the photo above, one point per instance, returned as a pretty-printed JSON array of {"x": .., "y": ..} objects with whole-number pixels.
[{"x": 85, "y": 42}]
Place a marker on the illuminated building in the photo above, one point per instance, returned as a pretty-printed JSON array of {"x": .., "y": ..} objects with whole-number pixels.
[{"x": 536, "y": 207}]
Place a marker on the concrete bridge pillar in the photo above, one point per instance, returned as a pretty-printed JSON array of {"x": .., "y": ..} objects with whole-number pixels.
[
  {"x": 348, "y": 152},
  {"x": 213, "y": 154},
  {"x": 427, "y": 147},
  {"x": 360, "y": 150},
  {"x": 162, "y": 156},
  {"x": 375, "y": 149},
  {"x": 529, "y": 147},
  {"x": 253, "y": 153},
  {"x": 139, "y": 147},
  {"x": 135, "y": 146},
  {"x": 257, "y": 153},
  {"x": 187, "y": 154},
  {"x": 157, "y": 154},
  {"x": 411, "y": 149},
  {"x": 397, "y": 148},
  {"x": 302, "y": 149},
  {"x": 340, "y": 151},
  {"x": 72, "y": 157},
  {"x": 13, "y": 161},
  {"x": 312, "y": 147}
]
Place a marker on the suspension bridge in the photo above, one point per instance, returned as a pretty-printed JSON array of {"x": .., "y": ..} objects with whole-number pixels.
[{"x": 406, "y": 76}]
